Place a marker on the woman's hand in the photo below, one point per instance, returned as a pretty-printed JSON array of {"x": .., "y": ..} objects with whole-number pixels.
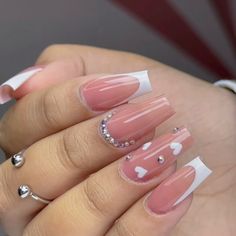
[{"x": 208, "y": 111}]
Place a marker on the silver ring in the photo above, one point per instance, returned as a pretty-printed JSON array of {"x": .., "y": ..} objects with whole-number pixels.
[
  {"x": 24, "y": 191},
  {"x": 18, "y": 160}
]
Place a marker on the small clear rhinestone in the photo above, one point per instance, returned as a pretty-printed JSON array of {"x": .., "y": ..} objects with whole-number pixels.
[
  {"x": 126, "y": 144},
  {"x": 128, "y": 157},
  {"x": 24, "y": 191},
  {"x": 176, "y": 130},
  {"x": 116, "y": 144},
  {"x": 109, "y": 115},
  {"x": 112, "y": 140},
  {"x": 161, "y": 159},
  {"x": 104, "y": 130},
  {"x": 132, "y": 142},
  {"x": 121, "y": 145},
  {"x": 103, "y": 125}
]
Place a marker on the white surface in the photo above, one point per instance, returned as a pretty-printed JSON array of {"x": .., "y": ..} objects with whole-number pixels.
[
  {"x": 144, "y": 82},
  {"x": 144, "y": 86},
  {"x": 201, "y": 173},
  {"x": 230, "y": 84},
  {"x": 17, "y": 80}
]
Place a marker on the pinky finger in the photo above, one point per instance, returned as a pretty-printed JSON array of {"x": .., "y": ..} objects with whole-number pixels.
[{"x": 159, "y": 212}]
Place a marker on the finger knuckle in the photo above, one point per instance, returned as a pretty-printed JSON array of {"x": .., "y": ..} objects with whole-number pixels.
[
  {"x": 34, "y": 230},
  {"x": 50, "y": 109},
  {"x": 50, "y": 51},
  {"x": 73, "y": 150},
  {"x": 122, "y": 229},
  {"x": 54, "y": 47},
  {"x": 2, "y": 198},
  {"x": 96, "y": 197},
  {"x": 6, "y": 195},
  {"x": 5, "y": 137}
]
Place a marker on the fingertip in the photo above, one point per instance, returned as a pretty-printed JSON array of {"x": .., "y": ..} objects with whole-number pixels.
[
  {"x": 166, "y": 222},
  {"x": 51, "y": 74},
  {"x": 5, "y": 94}
]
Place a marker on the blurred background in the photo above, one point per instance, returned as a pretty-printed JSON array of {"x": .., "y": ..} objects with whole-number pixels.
[{"x": 197, "y": 37}]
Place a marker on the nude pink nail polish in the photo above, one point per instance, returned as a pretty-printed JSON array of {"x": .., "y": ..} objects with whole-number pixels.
[
  {"x": 177, "y": 187},
  {"x": 155, "y": 156},
  {"x": 124, "y": 126},
  {"x": 5, "y": 93},
  {"x": 7, "y": 88},
  {"x": 107, "y": 92}
]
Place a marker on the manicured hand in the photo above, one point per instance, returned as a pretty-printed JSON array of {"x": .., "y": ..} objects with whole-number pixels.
[{"x": 58, "y": 122}]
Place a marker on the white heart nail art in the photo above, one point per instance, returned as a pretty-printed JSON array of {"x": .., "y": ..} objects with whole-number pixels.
[
  {"x": 141, "y": 172},
  {"x": 146, "y": 146},
  {"x": 176, "y": 147}
]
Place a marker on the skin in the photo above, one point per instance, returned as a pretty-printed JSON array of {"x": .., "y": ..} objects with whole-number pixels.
[{"x": 207, "y": 110}]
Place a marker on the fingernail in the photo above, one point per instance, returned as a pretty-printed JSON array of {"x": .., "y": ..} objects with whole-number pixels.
[
  {"x": 107, "y": 92},
  {"x": 5, "y": 94},
  {"x": 177, "y": 187},
  {"x": 15, "y": 82},
  {"x": 153, "y": 157},
  {"x": 123, "y": 127}
]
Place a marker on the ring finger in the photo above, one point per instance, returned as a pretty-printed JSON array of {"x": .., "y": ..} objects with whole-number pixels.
[{"x": 106, "y": 195}]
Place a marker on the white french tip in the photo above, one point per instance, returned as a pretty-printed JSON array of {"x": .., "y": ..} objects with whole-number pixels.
[
  {"x": 201, "y": 173},
  {"x": 144, "y": 83},
  {"x": 17, "y": 80}
]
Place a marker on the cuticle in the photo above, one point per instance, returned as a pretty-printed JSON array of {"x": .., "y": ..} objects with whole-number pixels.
[
  {"x": 127, "y": 179},
  {"x": 149, "y": 211}
]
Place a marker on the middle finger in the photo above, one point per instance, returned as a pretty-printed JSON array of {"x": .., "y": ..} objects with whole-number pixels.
[{"x": 48, "y": 111}]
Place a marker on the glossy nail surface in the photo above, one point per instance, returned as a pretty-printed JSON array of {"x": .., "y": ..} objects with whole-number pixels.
[
  {"x": 107, "y": 92},
  {"x": 15, "y": 82},
  {"x": 153, "y": 157},
  {"x": 178, "y": 187},
  {"x": 126, "y": 125}
]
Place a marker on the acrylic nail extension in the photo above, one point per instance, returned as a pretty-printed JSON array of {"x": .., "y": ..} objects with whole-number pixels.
[
  {"x": 15, "y": 82},
  {"x": 155, "y": 156},
  {"x": 107, "y": 92},
  {"x": 177, "y": 187},
  {"x": 124, "y": 126}
]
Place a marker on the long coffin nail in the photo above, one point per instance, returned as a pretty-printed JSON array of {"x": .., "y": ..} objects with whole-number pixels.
[
  {"x": 153, "y": 157},
  {"x": 7, "y": 88},
  {"x": 178, "y": 187},
  {"x": 107, "y": 92},
  {"x": 124, "y": 126}
]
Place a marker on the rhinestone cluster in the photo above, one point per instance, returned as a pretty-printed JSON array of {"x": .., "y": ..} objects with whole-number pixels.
[{"x": 107, "y": 136}]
